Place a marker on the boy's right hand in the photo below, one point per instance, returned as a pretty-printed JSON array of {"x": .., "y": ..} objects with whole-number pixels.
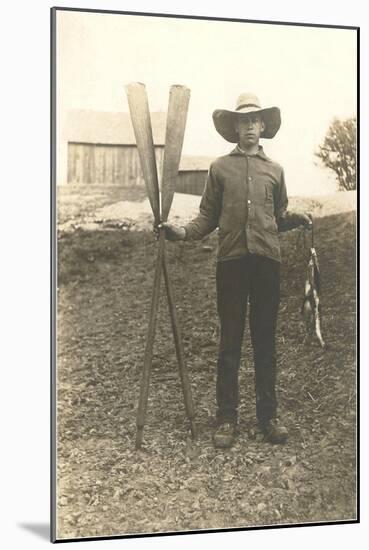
[{"x": 172, "y": 232}]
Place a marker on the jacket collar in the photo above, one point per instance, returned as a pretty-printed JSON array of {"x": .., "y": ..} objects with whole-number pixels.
[{"x": 260, "y": 152}]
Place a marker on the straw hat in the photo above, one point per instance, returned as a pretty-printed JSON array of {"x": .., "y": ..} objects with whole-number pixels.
[{"x": 247, "y": 103}]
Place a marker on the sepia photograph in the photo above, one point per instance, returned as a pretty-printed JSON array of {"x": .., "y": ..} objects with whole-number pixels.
[{"x": 204, "y": 226}]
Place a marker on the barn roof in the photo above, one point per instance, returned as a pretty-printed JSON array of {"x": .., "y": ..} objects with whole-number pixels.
[
  {"x": 110, "y": 128},
  {"x": 195, "y": 163}
]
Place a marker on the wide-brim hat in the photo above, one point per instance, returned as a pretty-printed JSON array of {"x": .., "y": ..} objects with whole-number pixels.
[{"x": 224, "y": 120}]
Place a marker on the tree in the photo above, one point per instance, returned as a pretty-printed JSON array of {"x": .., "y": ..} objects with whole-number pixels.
[{"x": 338, "y": 152}]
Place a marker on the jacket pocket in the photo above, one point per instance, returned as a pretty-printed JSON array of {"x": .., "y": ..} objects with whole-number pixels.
[
  {"x": 268, "y": 194},
  {"x": 229, "y": 241},
  {"x": 265, "y": 218},
  {"x": 269, "y": 201}
]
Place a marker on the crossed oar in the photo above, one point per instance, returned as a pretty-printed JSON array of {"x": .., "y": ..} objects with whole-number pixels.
[{"x": 176, "y": 121}]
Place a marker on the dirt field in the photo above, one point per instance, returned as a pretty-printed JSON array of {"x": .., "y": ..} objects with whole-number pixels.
[
  {"x": 77, "y": 202},
  {"x": 174, "y": 484}
]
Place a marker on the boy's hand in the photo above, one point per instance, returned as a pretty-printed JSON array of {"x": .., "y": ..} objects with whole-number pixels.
[
  {"x": 172, "y": 232},
  {"x": 306, "y": 220}
]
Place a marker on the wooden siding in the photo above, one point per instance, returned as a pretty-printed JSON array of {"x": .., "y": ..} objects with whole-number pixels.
[
  {"x": 114, "y": 164},
  {"x": 191, "y": 182}
]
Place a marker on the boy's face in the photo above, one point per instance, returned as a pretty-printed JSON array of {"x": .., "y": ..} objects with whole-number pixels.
[{"x": 249, "y": 129}]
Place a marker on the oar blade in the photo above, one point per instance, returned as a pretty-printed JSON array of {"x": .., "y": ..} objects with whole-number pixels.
[
  {"x": 179, "y": 97},
  {"x": 141, "y": 122}
]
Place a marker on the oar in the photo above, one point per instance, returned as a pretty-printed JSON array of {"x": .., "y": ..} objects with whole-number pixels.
[
  {"x": 141, "y": 121},
  {"x": 179, "y": 97},
  {"x": 176, "y": 120}
]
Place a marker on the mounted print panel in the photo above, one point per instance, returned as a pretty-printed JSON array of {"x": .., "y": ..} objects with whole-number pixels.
[{"x": 204, "y": 183}]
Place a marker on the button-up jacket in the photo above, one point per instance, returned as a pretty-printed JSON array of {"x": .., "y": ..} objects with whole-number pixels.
[{"x": 246, "y": 198}]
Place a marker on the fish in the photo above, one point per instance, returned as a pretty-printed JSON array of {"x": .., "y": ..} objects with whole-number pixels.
[{"x": 311, "y": 307}]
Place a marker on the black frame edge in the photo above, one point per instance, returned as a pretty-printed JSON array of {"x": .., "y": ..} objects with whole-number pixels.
[
  {"x": 358, "y": 436},
  {"x": 206, "y": 18},
  {"x": 53, "y": 288}
]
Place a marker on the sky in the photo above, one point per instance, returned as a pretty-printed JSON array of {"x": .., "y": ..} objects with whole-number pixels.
[{"x": 309, "y": 73}]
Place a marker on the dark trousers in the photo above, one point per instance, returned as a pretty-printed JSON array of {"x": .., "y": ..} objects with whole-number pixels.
[{"x": 255, "y": 279}]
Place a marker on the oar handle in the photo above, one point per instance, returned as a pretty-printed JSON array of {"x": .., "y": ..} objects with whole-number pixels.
[
  {"x": 145, "y": 377},
  {"x": 185, "y": 382}
]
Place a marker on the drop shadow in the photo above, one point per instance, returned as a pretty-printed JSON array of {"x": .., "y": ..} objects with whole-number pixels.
[{"x": 40, "y": 529}]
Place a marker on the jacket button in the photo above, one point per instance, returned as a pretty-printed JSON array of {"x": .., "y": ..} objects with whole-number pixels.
[{"x": 248, "y": 201}]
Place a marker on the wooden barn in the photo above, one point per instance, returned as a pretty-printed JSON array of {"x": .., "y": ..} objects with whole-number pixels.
[
  {"x": 101, "y": 147},
  {"x": 192, "y": 175}
]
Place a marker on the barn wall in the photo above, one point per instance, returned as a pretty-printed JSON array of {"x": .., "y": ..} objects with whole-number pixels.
[
  {"x": 192, "y": 182},
  {"x": 113, "y": 164}
]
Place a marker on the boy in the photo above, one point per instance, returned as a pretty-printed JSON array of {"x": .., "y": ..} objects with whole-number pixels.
[{"x": 245, "y": 197}]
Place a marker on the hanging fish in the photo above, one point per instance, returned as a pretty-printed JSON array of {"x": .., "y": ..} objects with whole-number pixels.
[{"x": 311, "y": 308}]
